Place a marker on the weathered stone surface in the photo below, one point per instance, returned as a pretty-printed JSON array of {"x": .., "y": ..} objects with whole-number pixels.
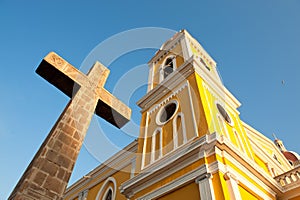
[
  {"x": 49, "y": 168},
  {"x": 40, "y": 178},
  {"x": 48, "y": 174},
  {"x": 53, "y": 184},
  {"x": 61, "y": 173}
]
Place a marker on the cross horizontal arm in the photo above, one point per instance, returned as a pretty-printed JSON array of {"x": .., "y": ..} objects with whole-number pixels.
[
  {"x": 61, "y": 74},
  {"x": 112, "y": 109},
  {"x": 69, "y": 80}
]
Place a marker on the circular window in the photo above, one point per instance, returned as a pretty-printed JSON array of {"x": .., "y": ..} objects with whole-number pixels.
[
  {"x": 224, "y": 114},
  {"x": 166, "y": 113}
]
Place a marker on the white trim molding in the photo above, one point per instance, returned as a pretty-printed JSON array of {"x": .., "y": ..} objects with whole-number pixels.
[
  {"x": 233, "y": 188},
  {"x": 175, "y": 130},
  {"x": 150, "y": 77},
  {"x": 187, "y": 178},
  {"x": 186, "y": 50},
  {"x": 162, "y": 109},
  {"x": 168, "y": 98},
  {"x": 206, "y": 188},
  {"x": 103, "y": 190}
]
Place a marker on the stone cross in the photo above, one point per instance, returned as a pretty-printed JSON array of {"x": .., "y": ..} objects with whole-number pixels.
[{"x": 48, "y": 174}]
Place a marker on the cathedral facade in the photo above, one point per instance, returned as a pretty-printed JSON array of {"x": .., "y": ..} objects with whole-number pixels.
[{"x": 192, "y": 142}]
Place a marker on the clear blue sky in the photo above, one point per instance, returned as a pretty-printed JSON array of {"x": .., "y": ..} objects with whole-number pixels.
[{"x": 255, "y": 43}]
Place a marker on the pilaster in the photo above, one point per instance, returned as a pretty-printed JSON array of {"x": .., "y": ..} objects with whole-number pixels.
[{"x": 205, "y": 187}]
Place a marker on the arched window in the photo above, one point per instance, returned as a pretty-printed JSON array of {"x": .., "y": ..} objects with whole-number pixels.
[
  {"x": 179, "y": 130},
  {"x": 156, "y": 149},
  {"x": 167, "y": 68},
  {"x": 107, "y": 190},
  {"x": 108, "y": 195}
]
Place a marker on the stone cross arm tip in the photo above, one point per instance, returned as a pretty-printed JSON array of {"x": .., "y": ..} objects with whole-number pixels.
[{"x": 69, "y": 80}]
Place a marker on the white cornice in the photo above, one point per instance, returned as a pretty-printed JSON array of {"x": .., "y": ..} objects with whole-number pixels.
[
  {"x": 176, "y": 91},
  {"x": 189, "y": 177},
  {"x": 182, "y": 73},
  {"x": 168, "y": 84},
  {"x": 169, "y": 164}
]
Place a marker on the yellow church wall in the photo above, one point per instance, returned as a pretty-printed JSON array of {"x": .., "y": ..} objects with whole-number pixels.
[
  {"x": 190, "y": 191},
  {"x": 171, "y": 178},
  {"x": 209, "y": 107},
  {"x": 266, "y": 148},
  {"x": 262, "y": 164},
  {"x": 179, "y": 60},
  {"x": 183, "y": 99},
  {"x": 93, "y": 192},
  {"x": 217, "y": 124},
  {"x": 239, "y": 127},
  {"x": 206, "y": 99},
  {"x": 245, "y": 194},
  {"x": 198, "y": 107},
  {"x": 249, "y": 179},
  {"x": 120, "y": 177},
  {"x": 218, "y": 181},
  {"x": 108, "y": 171},
  {"x": 220, "y": 188}
]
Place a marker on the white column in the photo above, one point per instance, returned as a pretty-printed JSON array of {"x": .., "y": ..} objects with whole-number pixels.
[
  {"x": 150, "y": 77},
  {"x": 83, "y": 195},
  {"x": 205, "y": 187},
  {"x": 161, "y": 73},
  {"x": 133, "y": 165},
  {"x": 232, "y": 184},
  {"x": 186, "y": 49}
]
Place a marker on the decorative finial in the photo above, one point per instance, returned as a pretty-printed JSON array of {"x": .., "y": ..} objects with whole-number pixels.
[{"x": 274, "y": 136}]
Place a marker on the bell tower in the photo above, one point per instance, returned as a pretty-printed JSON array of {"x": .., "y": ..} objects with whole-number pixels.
[{"x": 185, "y": 101}]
